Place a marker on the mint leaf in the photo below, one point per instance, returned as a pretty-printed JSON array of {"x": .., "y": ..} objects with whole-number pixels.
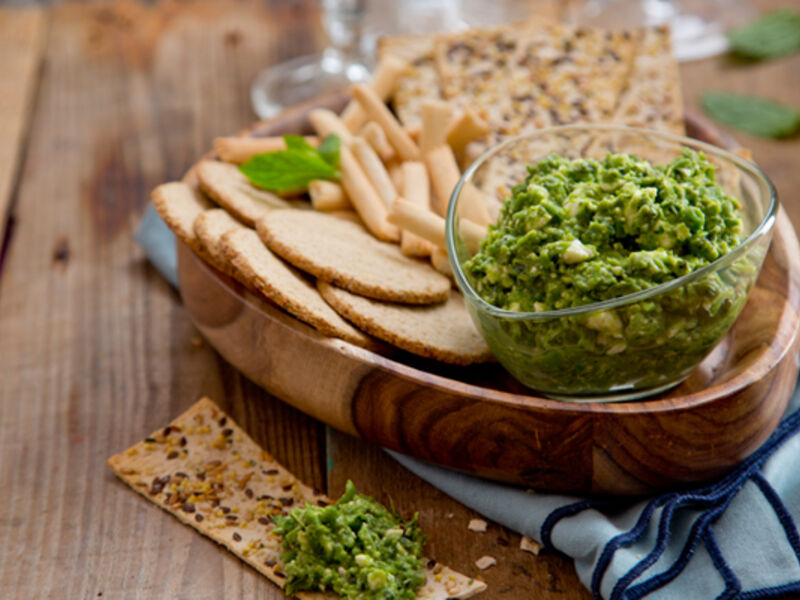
[
  {"x": 286, "y": 171},
  {"x": 774, "y": 34},
  {"x": 292, "y": 169},
  {"x": 751, "y": 114},
  {"x": 329, "y": 150},
  {"x": 298, "y": 144}
]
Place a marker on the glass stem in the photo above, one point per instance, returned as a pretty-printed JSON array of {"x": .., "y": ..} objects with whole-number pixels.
[{"x": 342, "y": 21}]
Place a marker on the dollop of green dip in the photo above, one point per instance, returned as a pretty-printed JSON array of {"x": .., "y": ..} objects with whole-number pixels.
[
  {"x": 576, "y": 232},
  {"x": 581, "y": 231},
  {"x": 356, "y": 548}
]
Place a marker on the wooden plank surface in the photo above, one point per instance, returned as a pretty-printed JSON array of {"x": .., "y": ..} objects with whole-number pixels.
[
  {"x": 97, "y": 350},
  {"x": 21, "y": 36}
]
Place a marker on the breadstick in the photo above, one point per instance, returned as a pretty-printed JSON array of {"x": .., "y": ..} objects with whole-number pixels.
[
  {"x": 241, "y": 149},
  {"x": 416, "y": 190},
  {"x": 328, "y": 196},
  {"x": 373, "y": 133},
  {"x": 414, "y": 132},
  {"x": 441, "y": 262},
  {"x": 326, "y": 122},
  {"x": 396, "y": 173},
  {"x": 368, "y": 204},
  {"x": 464, "y": 129},
  {"x": 436, "y": 117},
  {"x": 445, "y": 175},
  {"x": 377, "y": 111},
  {"x": 382, "y": 83},
  {"x": 373, "y": 167},
  {"x": 418, "y": 221},
  {"x": 430, "y": 227}
]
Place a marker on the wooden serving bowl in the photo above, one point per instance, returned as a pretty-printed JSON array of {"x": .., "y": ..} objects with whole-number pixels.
[{"x": 479, "y": 420}]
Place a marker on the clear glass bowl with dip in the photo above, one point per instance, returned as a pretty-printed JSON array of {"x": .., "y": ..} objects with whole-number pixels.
[{"x": 625, "y": 347}]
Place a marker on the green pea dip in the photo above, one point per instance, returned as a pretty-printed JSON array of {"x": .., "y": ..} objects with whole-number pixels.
[
  {"x": 576, "y": 232},
  {"x": 356, "y": 548}
]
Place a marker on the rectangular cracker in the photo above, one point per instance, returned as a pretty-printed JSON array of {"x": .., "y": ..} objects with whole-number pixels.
[
  {"x": 530, "y": 75},
  {"x": 421, "y": 80},
  {"x": 208, "y": 473},
  {"x": 652, "y": 96}
]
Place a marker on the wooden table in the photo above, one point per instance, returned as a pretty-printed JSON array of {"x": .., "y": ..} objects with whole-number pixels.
[{"x": 98, "y": 104}]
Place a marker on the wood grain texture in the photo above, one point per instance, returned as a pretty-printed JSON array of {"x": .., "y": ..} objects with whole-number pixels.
[
  {"x": 97, "y": 350},
  {"x": 481, "y": 421},
  {"x": 21, "y": 36},
  {"x": 518, "y": 575}
]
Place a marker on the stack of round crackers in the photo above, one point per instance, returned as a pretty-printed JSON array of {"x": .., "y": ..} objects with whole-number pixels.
[{"x": 325, "y": 269}]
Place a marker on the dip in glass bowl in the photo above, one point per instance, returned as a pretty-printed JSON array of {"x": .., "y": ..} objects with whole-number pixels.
[{"x": 615, "y": 263}]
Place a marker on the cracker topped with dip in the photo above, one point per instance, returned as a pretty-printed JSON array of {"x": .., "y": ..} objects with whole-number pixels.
[{"x": 208, "y": 473}]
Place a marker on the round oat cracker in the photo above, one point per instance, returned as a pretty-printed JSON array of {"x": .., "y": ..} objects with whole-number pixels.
[
  {"x": 344, "y": 254},
  {"x": 283, "y": 285},
  {"x": 229, "y": 188},
  {"x": 441, "y": 331}
]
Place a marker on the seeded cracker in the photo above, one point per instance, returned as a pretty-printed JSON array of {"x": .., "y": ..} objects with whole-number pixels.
[
  {"x": 261, "y": 270},
  {"x": 208, "y": 473},
  {"x": 210, "y": 226},
  {"x": 440, "y": 331},
  {"x": 345, "y": 254},
  {"x": 233, "y": 191},
  {"x": 528, "y": 76},
  {"x": 179, "y": 205},
  {"x": 420, "y": 82},
  {"x": 652, "y": 97}
]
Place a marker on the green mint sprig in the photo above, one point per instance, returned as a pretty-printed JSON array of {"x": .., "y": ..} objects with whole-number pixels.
[
  {"x": 292, "y": 169},
  {"x": 753, "y": 115},
  {"x": 774, "y": 34}
]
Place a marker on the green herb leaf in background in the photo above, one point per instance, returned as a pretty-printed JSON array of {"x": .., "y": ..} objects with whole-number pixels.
[
  {"x": 292, "y": 169},
  {"x": 329, "y": 150},
  {"x": 773, "y": 34},
  {"x": 751, "y": 114}
]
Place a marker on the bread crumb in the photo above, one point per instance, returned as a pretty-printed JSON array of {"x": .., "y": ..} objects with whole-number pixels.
[
  {"x": 478, "y": 525},
  {"x": 484, "y": 562},
  {"x": 529, "y": 545}
]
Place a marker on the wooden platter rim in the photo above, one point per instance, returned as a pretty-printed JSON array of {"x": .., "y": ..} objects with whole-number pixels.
[{"x": 783, "y": 233}]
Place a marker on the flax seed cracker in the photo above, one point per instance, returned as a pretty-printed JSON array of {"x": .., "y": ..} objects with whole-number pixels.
[
  {"x": 420, "y": 82},
  {"x": 179, "y": 205},
  {"x": 260, "y": 269},
  {"x": 229, "y": 188},
  {"x": 208, "y": 473},
  {"x": 345, "y": 254},
  {"x": 441, "y": 331},
  {"x": 652, "y": 96}
]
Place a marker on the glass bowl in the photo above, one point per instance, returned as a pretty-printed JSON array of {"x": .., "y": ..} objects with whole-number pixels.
[{"x": 568, "y": 354}]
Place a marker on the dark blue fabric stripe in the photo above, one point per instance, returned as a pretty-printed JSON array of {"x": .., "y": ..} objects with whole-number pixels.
[
  {"x": 697, "y": 532},
  {"x": 770, "y": 592},
  {"x": 732, "y": 584},
  {"x": 718, "y": 493},
  {"x": 788, "y": 524},
  {"x": 546, "y": 530}
]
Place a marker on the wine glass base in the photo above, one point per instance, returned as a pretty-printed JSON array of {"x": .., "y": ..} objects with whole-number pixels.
[{"x": 303, "y": 78}]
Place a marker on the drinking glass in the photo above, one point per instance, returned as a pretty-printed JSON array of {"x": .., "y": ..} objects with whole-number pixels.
[{"x": 342, "y": 63}]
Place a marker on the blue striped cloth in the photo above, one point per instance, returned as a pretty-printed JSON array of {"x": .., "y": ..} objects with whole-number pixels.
[{"x": 734, "y": 538}]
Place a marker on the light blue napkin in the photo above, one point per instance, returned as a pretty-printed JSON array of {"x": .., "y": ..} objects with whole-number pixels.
[{"x": 734, "y": 538}]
